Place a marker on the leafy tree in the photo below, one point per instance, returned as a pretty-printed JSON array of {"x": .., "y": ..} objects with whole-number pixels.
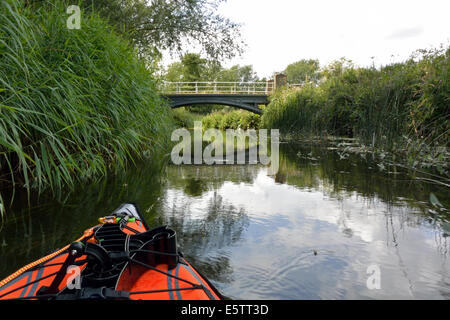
[
  {"x": 337, "y": 68},
  {"x": 193, "y": 67},
  {"x": 174, "y": 72},
  {"x": 303, "y": 70},
  {"x": 238, "y": 74},
  {"x": 212, "y": 70},
  {"x": 159, "y": 25}
]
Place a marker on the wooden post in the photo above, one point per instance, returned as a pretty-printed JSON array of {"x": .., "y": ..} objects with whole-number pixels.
[{"x": 269, "y": 86}]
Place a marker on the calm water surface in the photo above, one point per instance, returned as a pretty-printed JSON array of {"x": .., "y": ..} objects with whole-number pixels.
[{"x": 310, "y": 232}]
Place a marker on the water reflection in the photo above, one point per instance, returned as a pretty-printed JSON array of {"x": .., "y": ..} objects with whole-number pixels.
[
  {"x": 348, "y": 213},
  {"x": 309, "y": 232}
]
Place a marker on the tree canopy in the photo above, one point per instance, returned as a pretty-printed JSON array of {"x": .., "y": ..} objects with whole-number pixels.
[
  {"x": 303, "y": 70},
  {"x": 192, "y": 68},
  {"x": 158, "y": 25},
  {"x": 238, "y": 74}
]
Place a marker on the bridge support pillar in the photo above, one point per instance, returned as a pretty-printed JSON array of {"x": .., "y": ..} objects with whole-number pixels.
[{"x": 280, "y": 80}]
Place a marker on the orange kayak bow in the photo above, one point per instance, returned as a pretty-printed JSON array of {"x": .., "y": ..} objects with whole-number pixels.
[{"x": 119, "y": 259}]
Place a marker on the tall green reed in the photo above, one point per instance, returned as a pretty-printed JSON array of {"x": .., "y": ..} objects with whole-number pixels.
[
  {"x": 74, "y": 104},
  {"x": 379, "y": 106}
]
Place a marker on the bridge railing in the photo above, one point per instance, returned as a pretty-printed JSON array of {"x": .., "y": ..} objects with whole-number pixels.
[{"x": 216, "y": 87}]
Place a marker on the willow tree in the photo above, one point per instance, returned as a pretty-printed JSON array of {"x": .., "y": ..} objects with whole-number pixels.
[{"x": 160, "y": 25}]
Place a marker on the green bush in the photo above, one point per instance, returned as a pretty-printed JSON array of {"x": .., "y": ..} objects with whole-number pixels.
[
  {"x": 231, "y": 120},
  {"x": 249, "y": 120}
]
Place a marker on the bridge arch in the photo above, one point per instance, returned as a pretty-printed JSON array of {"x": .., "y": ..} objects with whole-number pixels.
[
  {"x": 246, "y": 102},
  {"x": 178, "y": 102},
  {"x": 243, "y": 95}
]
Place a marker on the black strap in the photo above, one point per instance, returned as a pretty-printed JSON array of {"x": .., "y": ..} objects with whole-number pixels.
[
  {"x": 102, "y": 293},
  {"x": 75, "y": 251}
]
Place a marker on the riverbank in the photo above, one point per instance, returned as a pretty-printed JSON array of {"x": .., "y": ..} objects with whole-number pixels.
[
  {"x": 378, "y": 106},
  {"x": 401, "y": 110},
  {"x": 75, "y": 104}
]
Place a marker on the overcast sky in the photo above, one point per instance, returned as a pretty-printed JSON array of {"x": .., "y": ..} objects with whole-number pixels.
[{"x": 279, "y": 32}]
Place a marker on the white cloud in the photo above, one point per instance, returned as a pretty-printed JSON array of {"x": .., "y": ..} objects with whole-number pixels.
[
  {"x": 406, "y": 33},
  {"x": 284, "y": 31}
]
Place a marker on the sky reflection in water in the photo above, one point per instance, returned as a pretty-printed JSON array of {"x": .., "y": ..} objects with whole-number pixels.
[{"x": 265, "y": 234}]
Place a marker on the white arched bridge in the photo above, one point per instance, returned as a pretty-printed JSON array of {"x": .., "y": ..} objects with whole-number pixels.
[{"x": 244, "y": 95}]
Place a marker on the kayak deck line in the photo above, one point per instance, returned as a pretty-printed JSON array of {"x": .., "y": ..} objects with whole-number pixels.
[{"x": 38, "y": 262}]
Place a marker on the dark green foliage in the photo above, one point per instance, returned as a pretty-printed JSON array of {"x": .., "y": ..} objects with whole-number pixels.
[
  {"x": 296, "y": 110},
  {"x": 193, "y": 66},
  {"x": 431, "y": 114},
  {"x": 184, "y": 118}
]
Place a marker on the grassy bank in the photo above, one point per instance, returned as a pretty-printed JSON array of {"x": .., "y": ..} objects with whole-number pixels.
[
  {"x": 74, "y": 104},
  {"x": 399, "y": 107}
]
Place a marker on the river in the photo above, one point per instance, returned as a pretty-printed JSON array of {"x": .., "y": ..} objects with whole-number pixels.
[{"x": 322, "y": 228}]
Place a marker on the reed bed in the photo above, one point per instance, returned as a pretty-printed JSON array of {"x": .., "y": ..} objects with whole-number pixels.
[
  {"x": 74, "y": 104},
  {"x": 398, "y": 105}
]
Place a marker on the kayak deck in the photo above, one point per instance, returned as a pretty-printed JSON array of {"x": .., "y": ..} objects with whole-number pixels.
[{"x": 121, "y": 258}]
